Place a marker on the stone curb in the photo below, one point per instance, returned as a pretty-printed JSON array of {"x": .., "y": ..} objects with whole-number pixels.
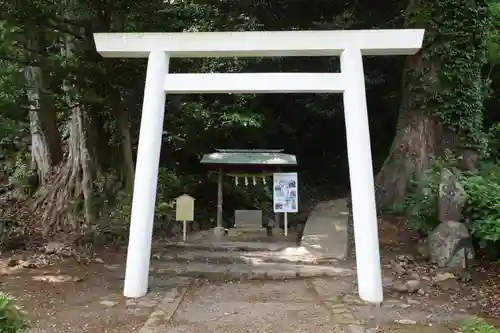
[{"x": 158, "y": 320}]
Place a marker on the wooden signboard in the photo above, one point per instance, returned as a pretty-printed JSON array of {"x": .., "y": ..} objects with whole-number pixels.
[
  {"x": 184, "y": 211},
  {"x": 184, "y": 208}
]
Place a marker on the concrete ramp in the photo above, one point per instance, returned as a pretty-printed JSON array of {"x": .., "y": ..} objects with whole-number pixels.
[{"x": 326, "y": 233}]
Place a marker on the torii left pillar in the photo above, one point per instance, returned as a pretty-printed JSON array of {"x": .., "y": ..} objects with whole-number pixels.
[{"x": 148, "y": 158}]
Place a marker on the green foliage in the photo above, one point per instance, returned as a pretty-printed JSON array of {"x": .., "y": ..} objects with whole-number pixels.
[
  {"x": 168, "y": 188},
  {"x": 420, "y": 204},
  {"x": 494, "y": 141},
  {"x": 479, "y": 326},
  {"x": 20, "y": 171},
  {"x": 12, "y": 318},
  {"x": 483, "y": 208},
  {"x": 114, "y": 222},
  {"x": 493, "y": 41}
]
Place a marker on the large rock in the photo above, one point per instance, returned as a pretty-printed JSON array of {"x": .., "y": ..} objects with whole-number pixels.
[
  {"x": 448, "y": 244},
  {"x": 58, "y": 248},
  {"x": 468, "y": 160},
  {"x": 452, "y": 197},
  {"x": 326, "y": 233}
]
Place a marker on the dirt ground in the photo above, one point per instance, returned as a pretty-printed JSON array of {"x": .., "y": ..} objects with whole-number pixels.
[
  {"x": 481, "y": 292},
  {"x": 69, "y": 296}
]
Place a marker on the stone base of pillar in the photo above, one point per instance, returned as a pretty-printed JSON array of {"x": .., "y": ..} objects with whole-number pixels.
[
  {"x": 277, "y": 232},
  {"x": 235, "y": 232},
  {"x": 219, "y": 232}
]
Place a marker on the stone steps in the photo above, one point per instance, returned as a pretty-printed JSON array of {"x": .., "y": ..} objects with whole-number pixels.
[
  {"x": 296, "y": 255},
  {"x": 229, "y": 261},
  {"x": 229, "y": 246},
  {"x": 244, "y": 257},
  {"x": 240, "y": 271}
]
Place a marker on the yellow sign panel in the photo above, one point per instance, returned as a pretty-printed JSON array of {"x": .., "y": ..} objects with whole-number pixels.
[{"x": 184, "y": 208}]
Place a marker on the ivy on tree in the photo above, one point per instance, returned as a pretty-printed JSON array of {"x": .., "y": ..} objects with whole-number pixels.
[{"x": 453, "y": 90}]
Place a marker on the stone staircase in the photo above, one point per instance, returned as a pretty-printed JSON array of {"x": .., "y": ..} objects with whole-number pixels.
[{"x": 228, "y": 259}]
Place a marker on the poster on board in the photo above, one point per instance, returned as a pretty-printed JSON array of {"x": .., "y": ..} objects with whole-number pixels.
[{"x": 285, "y": 193}]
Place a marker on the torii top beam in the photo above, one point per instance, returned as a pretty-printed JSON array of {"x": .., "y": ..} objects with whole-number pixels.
[{"x": 259, "y": 43}]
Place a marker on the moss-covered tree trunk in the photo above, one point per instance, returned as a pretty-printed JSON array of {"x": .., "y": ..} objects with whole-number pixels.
[
  {"x": 442, "y": 94},
  {"x": 420, "y": 137}
]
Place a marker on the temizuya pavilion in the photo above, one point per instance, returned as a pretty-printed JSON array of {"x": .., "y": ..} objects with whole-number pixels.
[{"x": 247, "y": 167}]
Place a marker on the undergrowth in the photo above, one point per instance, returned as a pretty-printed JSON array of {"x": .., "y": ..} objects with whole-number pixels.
[
  {"x": 12, "y": 318},
  {"x": 479, "y": 327}
]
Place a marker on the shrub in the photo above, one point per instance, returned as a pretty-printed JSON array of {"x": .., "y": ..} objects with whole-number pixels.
[
  {"x": 420, "y": 204},
  {"x": 483, "y": 204},
  {"x": 12, "y": 318},
  {"x": 114, "y": 222},
  {"x": 20, "y": 172},
  {"x": 478, "y": 326}
]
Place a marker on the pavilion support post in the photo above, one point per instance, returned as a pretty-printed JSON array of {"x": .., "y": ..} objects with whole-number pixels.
[
  {"x": 277, "y": 231},
  {"x": 361, "y": 177},
  {"x": 146, "y": 177},
  {"x": 219, "y": 229}
]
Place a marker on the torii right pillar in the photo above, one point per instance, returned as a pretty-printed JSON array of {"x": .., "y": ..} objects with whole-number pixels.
[{"x": 361, "y": 177}]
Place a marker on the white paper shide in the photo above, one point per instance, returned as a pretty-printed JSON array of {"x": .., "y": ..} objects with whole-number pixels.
[{"x": 285, "y": 192}]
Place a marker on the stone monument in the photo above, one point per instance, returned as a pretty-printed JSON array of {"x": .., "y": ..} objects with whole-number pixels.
[{"x": 246, "y": 221}]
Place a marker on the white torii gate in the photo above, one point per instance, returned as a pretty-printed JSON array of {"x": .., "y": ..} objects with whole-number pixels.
[{"x": 350, "y": 45}]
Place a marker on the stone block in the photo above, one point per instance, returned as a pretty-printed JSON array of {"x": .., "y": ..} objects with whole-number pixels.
[
  {"x": 452, "y": 197},
  {"x": 219, "y": 232},
  {"x": 248, "y": 219}
]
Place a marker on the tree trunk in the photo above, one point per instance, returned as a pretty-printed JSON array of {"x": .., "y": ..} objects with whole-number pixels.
[
  {"x": 419, "y": 139},
  {"x": 40, "y": 156},
  {"x": 102, "y": 23},
  {"x": 46, "y": 150},
  {"x": 122, "y": 119},
  {"x": 442, "y": 99},
  {"x": 126, "y": 144},
  {"x": 74, "y": 179}
]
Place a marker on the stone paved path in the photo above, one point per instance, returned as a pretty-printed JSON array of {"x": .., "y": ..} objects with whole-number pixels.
[
  {"x": 249, "y": 307},
  {"x": 256, "y": 286},
  {"x": 311, "y": 305}
]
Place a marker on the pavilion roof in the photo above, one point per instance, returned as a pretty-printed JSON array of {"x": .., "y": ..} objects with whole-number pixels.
[{"x": 249, "y": 157}]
